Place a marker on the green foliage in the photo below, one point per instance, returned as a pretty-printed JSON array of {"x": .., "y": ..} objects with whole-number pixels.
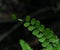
[
  {"x": 44, "y": 35},
  {"x": 24, "y": 45},
  {"x": 35, "y": 32},
  {"x": 54, "y": 39},
  {"x": 27, "y": 19},
  {"x": 33, "y": 21},
  {"x": 21, "y": 42},
  {"x": 42, "y": 39},
  {"x": 49, "y": 32},
  {"x": 49, "y": 47},
  {"x": 30, "y": 28},
  {"x": 41, "y": 28},
  {"x": 45, "y": 44},
  {"x": 39, "y": 35},
  {"x": 37, "y": 25},
  {"x": 57, "y": 47},
  {"x": 26, "y": 24},
  {"x": 13, "y": 17}
]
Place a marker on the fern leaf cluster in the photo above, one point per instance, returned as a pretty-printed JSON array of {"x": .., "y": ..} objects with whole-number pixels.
[{"x": 44, "y": 35}]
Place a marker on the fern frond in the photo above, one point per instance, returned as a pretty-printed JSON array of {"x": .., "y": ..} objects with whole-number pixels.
[{"x": 44, "y": 35}]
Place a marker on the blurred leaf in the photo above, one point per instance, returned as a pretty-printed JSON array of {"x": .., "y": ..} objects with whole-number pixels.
[
  {"x": 42, "y": 39},
  {"x": 20, "y": 20},
  {"x": 35, "y": 32},
  {"x": 39, "y": 35},
  {"x": 46, "y": 31},
  {"x": 50, "y": 34},
  {"x": 57, "y": 47},
  {"x": 30, "y": 28},
  {"x": 27, "y": 18},
  {"x": 21, "y": 42},
  {"x": 24, "y": 45},
  {"x": 33, "y": 21},
  {"x": 27, "y": 47},
  {"x": 41, "y": 28},
  {"x": 44, "y": 48},
  {"x": 49, "y": 47},
  {"x": 54, "y": 39},
  {"x": 26, "y": 24},
  {"x": 13, "y": 17},
  {"x": 54, "y": 44},
  {"x": 45, "y": 44},
  {"x": 37, "y": 25}
]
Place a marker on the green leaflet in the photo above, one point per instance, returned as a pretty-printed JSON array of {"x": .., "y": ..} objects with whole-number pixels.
[
  {"x": 21, "y": 42},
  {"x": 44, "y": 48},
  {"x": 54, "y": 44},
  {"x": 57, "y": 47},
  {"x": 30, "y": 28},
  {"x": 39, "y": 35},
  {"x": 26, "y": 24},
  {"x": 35, "y": 32},
  {"x": 49, "y": 47},
  {"x": 33, "y": 21},
  {"x": 45, "y": 44},
  {"x": 27, "y": 19},
  {"x": 37, "y": 25},
  {"x": 42, "y": 39},
  {"x": 28, "y": 47},
  {"x": 24, "y": 45},
  {"x": 13, "y": 16},
  {"x": 41, "y": 28},
  {"x": 48, "y": 33},
  {"x": 54, "y": 40}
]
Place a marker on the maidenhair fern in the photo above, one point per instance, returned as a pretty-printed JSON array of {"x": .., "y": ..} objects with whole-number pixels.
[{"x": 44, "y": 35}]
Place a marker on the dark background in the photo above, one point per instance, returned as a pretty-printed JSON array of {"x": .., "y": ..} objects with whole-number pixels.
[{"x": 47, "y": 11}]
